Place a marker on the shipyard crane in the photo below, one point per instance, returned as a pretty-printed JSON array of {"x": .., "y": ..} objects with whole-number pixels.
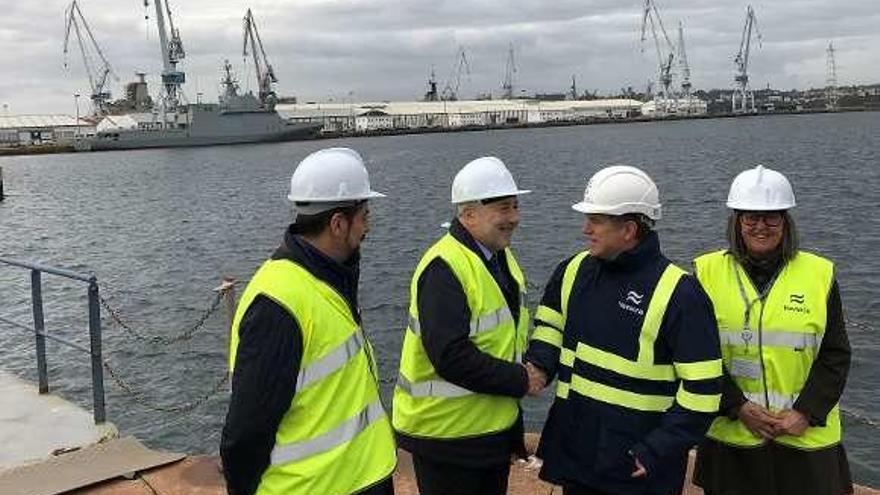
[
  {"x": 89, "y": 48},
  {"x": 265, "y": 73},
  {"x": 743, "y": 91},
  {"x": 665, "y": 50},
  {"x": 509, "y": 71},
  {"x": 685, "y": 69},
  {"x": 453, "y": 84},
  {"x": 172, "y": 54}
]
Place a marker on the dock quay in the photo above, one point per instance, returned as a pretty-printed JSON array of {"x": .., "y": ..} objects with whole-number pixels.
[
  {"x": 88, "y": 460},
  {"x": 53, "y": 447}
]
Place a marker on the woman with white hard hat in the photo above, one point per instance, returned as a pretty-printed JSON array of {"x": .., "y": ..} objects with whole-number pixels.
[{"x": 785, "y": 352}]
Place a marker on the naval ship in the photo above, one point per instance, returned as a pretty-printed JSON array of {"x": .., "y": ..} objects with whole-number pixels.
[{"x": 237, "y": 117}]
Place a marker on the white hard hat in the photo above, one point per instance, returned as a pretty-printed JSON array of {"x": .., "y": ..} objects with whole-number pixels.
[
  {"x": 331, "y": 175},
  {"x": 760, "y": 189},
  {"x": 620, "y": 189},
  {"x": 484, "y": 178}
]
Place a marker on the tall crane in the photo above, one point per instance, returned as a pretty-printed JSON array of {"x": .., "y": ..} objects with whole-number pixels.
[
  {"x": 453, "y": 84},
  {"x": 665, "y": 51},
  {"x": 831, "y": 94},
  {"x": 685, "y": 68},
  {"x": 742, "y": 91},
  {"x": 265, "y": 73},
  {"x": 509, "y": 71},
  {"x": 172, "y": 54},
  {"x": 89, "y": 48}
]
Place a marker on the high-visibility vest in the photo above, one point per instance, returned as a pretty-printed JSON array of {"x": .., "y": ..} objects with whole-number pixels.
[
  {"x": 550, "y": 330},
  {"x": 335, "y": 438},
  {"x": 769, "y": 345},
  {"x": 427, "y": 406}
]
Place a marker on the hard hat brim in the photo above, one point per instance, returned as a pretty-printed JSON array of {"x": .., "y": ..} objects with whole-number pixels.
[
  {"x": 518, "y": 192},
  {"x": 357, "y": 197},
  {"x": 740, "y": 206},
  {"x": 616, "y": 210}
]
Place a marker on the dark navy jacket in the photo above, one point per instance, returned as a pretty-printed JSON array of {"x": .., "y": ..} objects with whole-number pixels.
[{"x": 592, "y": 443}]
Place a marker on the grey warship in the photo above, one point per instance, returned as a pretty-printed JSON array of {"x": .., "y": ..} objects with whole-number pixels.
[{"x": 237, "y": 117}]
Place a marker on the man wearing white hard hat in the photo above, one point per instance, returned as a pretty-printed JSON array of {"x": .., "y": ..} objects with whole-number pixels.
[
  {"x": 633, "y": 343},
  {"x": 785, "y": 350},
  {"x": 305, "y": 415},
  {"x": 456, "y": 403}
]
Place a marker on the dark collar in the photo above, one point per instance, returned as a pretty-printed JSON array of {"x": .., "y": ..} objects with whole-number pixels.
[
  {"x": 341, "y": 276},
  {"x": 646, "y": 251},
  {"x": 461, "y": 234}
]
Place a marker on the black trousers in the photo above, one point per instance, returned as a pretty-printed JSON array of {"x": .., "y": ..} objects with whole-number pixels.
[
  {"x": 580, "y": 490},
  {"x": 437, "y": 478},
  {"x": 384, "y": 488}
]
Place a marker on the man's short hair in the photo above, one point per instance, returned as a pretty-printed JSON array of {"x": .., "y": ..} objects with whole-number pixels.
[
  {"x": 312, "y": 225},
  {"x": 644, "y": 225}
]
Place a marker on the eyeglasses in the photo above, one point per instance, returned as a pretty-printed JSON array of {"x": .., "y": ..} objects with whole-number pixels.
[{"x": 770, "y": 218}]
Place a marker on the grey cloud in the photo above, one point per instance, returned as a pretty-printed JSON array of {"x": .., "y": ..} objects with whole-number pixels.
[{"x": 384, "y": 49}]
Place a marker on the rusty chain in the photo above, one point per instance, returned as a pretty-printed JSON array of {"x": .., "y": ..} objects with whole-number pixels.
[
  {"x": 157, "y": 340},
  {"x": 138, "y": 396},
  {"x": 140, "y": 399}
]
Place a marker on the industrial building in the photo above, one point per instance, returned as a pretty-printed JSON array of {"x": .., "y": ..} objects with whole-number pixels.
[
  {"x": 29, "y": 130},
  {"x": 378, "y": 116}
]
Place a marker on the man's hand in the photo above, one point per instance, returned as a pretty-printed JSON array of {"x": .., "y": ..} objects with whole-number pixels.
[
  {"x": 640, "y": 470},
  {"x": 792, "y": 423},
  {"x": 537, "y": 379},
  {"x": 761, "y": 422}
]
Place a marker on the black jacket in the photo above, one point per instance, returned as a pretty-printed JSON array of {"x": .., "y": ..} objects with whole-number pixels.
[
  {"x": 268, "y": 361},
  {"x": 445, "y": 317},
  {"x": 592, "y": 443}
]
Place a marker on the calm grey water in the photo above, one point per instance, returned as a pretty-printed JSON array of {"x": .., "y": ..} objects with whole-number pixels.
[{"x": 160, "y": 228}]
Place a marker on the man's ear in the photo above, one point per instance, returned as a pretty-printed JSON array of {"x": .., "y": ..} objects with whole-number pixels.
[{"x": 338, "y": 224}]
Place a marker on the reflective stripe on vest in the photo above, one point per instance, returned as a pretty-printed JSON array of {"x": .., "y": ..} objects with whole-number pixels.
[
  {"x": 331, "y": 362},
  {"x": 426, "y": 405},
  {"x": 769, "y": 341},
  {"x": 485, "y": 323},
  {"x": 292, "y": 452},
  {"x": 778, "y": 402},
  {"x": 644, "y": 367},
  {"x": 432, "y": 388},
  {"x": 777, "y": 338}
]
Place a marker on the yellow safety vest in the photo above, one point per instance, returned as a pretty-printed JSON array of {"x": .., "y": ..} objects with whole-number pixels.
[
  {"x": 336, "y": 438},
  {"x": 427, "y": 406},
  {"x": 769, "y": 345},
  {"x": 553, "y": 323}
]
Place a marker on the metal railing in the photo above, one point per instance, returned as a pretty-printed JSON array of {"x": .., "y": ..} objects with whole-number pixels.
[{"x": 39, "y": 329}]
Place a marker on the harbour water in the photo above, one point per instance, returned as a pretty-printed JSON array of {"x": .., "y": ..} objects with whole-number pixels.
[{"x": 159, "y": 228}]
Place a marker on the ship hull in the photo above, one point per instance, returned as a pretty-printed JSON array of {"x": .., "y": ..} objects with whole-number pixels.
[{"x": 204, "y": 125}]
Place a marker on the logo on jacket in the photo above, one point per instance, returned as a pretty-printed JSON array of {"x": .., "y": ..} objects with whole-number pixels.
[
  {"x": 632, "y": 298},
  {"x": 799, "y": 300}
]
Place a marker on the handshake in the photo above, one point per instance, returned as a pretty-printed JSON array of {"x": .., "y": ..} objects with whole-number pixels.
[{"x": 537, "y": 379}]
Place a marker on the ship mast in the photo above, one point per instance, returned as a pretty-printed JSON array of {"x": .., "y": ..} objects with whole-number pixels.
[{"x": 172, "y": 53}]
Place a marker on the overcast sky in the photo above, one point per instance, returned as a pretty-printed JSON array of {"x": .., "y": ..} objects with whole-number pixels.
[{"x": 384, "y": 49}]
